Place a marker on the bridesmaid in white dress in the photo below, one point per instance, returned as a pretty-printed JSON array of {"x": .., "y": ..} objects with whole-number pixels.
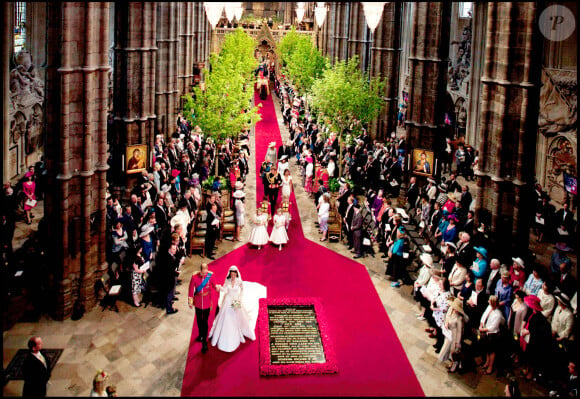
[
  {"x": 279, "y": 235},
  {"x": 239, "y": 305},
  {"x": 259, "y": 234},
  {"x": 286, "y": 185}
]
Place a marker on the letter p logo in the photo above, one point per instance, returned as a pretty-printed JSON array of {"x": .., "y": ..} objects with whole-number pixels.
[{"x": 557, "y": 23}]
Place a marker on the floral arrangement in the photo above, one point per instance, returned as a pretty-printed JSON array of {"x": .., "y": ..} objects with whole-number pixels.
[
  {"x": 266, "y": 368},
  {"x": 215, "y": 183},
  {"x": 236, "y": 304}
]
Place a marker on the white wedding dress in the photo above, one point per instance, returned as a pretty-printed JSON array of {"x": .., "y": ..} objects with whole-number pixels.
[
  {"x": 286, "y": 186},
  {"x": 233, "y": 324}
]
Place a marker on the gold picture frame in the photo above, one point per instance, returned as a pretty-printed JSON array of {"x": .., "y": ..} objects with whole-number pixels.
[
  {"x": 422, "y": 162},
  {"x": 136, "y": 158}
]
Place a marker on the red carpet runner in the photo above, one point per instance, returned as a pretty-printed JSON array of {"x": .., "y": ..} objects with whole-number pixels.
[{"x": 371, "y": 360}]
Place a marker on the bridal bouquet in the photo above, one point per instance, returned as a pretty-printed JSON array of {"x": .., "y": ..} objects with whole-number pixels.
[{"x": 236, "y": 304}]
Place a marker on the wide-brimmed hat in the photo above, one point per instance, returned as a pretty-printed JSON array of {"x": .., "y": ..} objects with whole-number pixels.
[
  {"x": 452, "y": 197},
  {"x": 147, "y": 229},
  {"x": 482, "y": 251},
  {"x": 283, "y": 157},
  {"x": 452, "y": 245},
  {"x": 519, "y": 261},
  {"x": 165, "y": 188},
  {"x": 239, "y": 185},
  {"x": 426, "y": 259},
  {"x": 239, "y": 194},
  {"x": 442, "y": 187},
  {"x": 533, "y": 302},
  {"x": 431, "y": 180},
  {"x": 342, "y": 181},
  {"x": 453, "y": 217},
  {"x": 174, "y": 173},
  {"x": 457, "y": 304},
  {"x": 562, "y": 297},
  {"x": 308, "y": 159},
  {"x": 561, "y": 246},
  {"x": 272, "y": 144},
  {"x": 28, "y": 174}
]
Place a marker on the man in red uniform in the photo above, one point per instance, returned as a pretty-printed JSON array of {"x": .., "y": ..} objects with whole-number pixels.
[{"x": 200, "y": 297}]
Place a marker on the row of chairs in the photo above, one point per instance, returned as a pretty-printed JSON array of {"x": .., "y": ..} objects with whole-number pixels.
[{"x": 199, "y": 228}]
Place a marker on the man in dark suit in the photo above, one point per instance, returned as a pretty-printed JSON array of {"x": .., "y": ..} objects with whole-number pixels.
[
  {"x": 356, "y": 228},
  {"x": 285, "y": 149},
  {"x": 465, "y": 247},
  {"x": 452, "y": 185},
  {"x": 465, "y": 198},
  {"x": 36, "y": 370},
  {"x": 161, "y": 213},
  {"x": 212, "y": 231},
  {"x": 493, "y": 277},
  {"x": 566, "y": 282},
  {"x": 476, "y": 304},
  {"x": 564, "y": 225},
  {"x": 412, "y": 193},
  {"x": 172, "y": 155},
  {"x": 348, "y": 220}
]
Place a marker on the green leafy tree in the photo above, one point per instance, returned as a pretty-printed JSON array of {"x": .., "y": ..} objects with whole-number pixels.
[
  {"x": 223, "y": 109},
  {"x": 346, "y": 99}
]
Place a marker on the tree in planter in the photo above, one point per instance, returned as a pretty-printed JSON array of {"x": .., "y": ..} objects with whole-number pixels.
[
  {"x": 305, "y": 63},
  {"x": 346, "y": 99},
  {"x": 223, "y": 108}
]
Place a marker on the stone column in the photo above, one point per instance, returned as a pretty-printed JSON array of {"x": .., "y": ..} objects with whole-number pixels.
[
  {"x": 509, "y": 107},
  {"x": 357, "y": 29},
  {"x": 7, "y": 40},
  {"x": 479, "y": 24},
  {"x": 428, "y": 74},
  {"x": 166, "y": 92},
  {"x": 76, "y": 148},
  {"x": 134, "y": 76},
  {"x": 186, "y": 48},
  {"x": 385, "y": 61}
]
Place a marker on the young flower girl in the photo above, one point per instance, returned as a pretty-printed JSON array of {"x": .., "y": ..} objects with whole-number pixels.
[
  {"x": 259, "y": 234},
  {"x": 279, "y": 235}
]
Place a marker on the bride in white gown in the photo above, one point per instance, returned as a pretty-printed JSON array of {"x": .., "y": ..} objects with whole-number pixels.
[{"x": 239, "y": 305}]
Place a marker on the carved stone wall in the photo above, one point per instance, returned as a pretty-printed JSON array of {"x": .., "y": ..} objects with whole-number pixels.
[{"x": 26, "y": 115}]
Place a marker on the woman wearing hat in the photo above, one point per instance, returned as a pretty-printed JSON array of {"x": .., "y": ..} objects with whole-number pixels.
[
  {"x": 517, "y": 273},
  {"x": 271, "y": 155},
  {"x": 240, "y": 210},
  {"x": 547, "y": 300},
  {"x": 453, "y": 328},
  {"x": 563, "y": 320},
  {"x": 422, "y": 280},
  {"x": 535, "y": 338},
  {"x": 146, "y": 241},
  {"x": 28, "y": 188},
  {"x": 516, "y": 322},
  {"x": 308, "y": 186},
  {"x": 479, "y": 266}
]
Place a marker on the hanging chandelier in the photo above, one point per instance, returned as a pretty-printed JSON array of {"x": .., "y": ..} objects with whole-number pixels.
[
  {"x": 214, "y": 12},
  {"x": 373, "y": 13},
  {"x": 300, "y": 12},
  {"x": 230, "y": 8},
  {"x": 238, "y": 11},
  {"x": 320, "y": 13}
]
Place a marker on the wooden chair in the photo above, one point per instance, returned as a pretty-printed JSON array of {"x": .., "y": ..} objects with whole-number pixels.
[
  {"x": 112, "y": 292},
  {"x": 334, "y": 225},
  {"x": 198, "y": 230}
]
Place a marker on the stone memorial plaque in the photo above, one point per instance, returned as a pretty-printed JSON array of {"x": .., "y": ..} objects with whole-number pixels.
[{"x": 294, "y": 335}]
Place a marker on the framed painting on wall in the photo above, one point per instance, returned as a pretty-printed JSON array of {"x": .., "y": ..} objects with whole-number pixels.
[
  {"x": 13, "y": 162},
  {"x": 422, "y": 162},
  {"x": 136, "y": 158}
]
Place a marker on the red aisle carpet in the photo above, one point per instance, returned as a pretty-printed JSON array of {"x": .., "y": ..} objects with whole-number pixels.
[{"x": 371, "y": 360}]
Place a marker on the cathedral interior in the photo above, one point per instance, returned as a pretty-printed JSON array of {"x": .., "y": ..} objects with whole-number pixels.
[{"x": 86, "y": 81}]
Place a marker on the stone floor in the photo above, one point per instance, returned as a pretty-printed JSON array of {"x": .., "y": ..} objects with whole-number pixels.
[{"x": 145, "y": 350}]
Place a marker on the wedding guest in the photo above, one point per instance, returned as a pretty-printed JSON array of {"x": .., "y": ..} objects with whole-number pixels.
[
  {"x": 323, "y": 214},
  {"x": 28, "y": 188},
  {"x": 35, "y": 370},
  {"x": 240, "y": 209},
  {"x": 489, "y": 331},
  {"x": 547, "y": 300},
  {"x": 137, "y": 274},
  {"x": 100, "y": 384},
  {"x": 279, "y": 236},
  {"x": 453, "y": 328},
  {"x": 535, "y": 339},
  {"x": 534, "y": 283},
  {"x": 199, "y": 296},
  {"x": 259, "y": 235}
]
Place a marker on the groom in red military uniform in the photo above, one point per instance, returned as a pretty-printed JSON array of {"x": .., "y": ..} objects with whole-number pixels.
[{"x": 200, "y": 297}]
